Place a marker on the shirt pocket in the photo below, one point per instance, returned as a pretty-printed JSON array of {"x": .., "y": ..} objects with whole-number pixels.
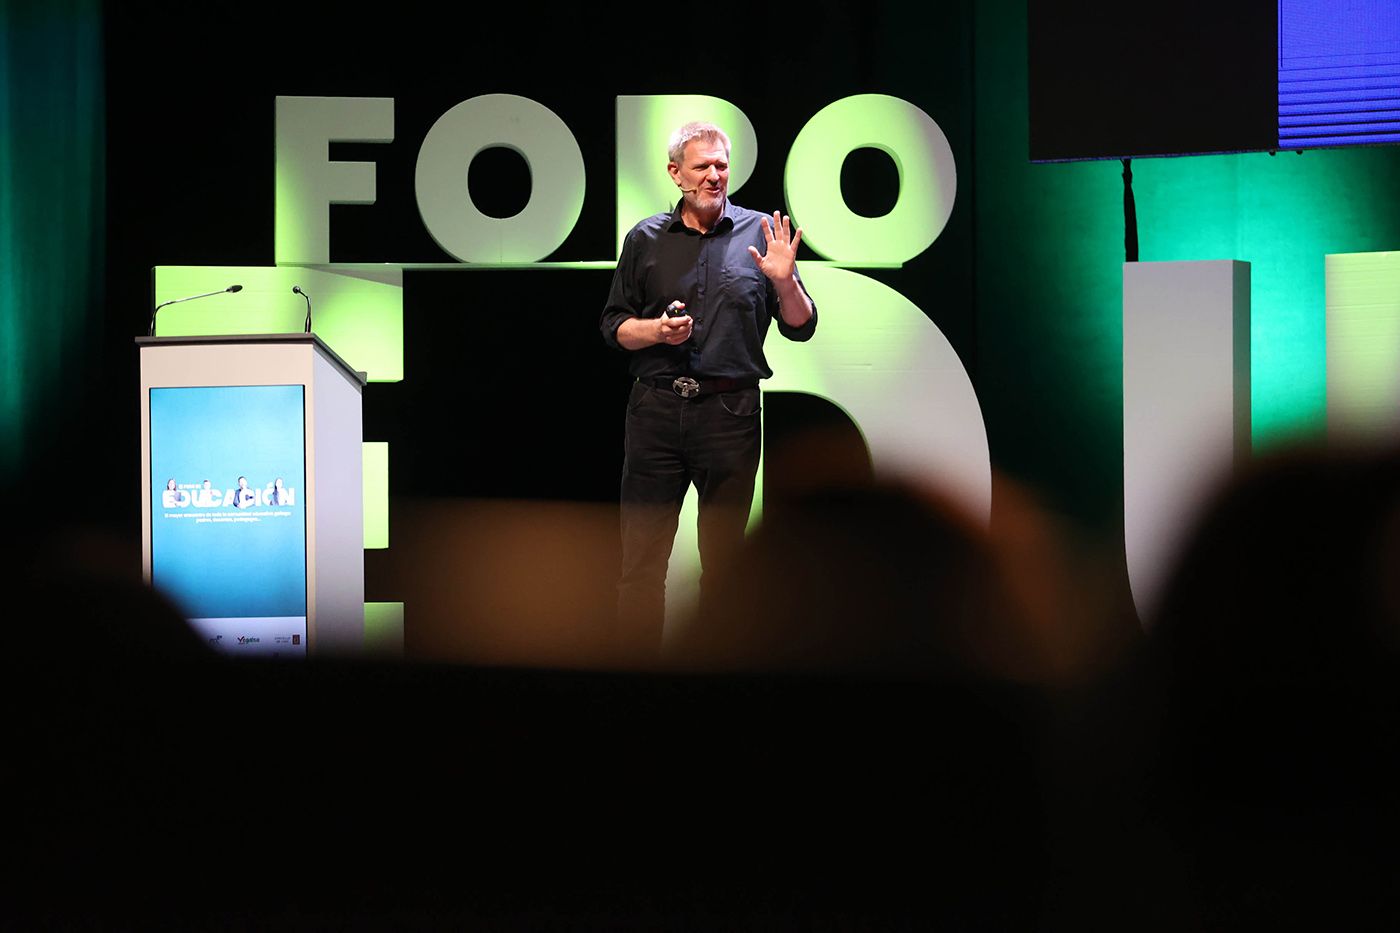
[{"x": 743, "y": 285}]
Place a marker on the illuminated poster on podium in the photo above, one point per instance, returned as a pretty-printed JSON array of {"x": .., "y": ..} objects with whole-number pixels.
[{"x": 228, "y": 513}]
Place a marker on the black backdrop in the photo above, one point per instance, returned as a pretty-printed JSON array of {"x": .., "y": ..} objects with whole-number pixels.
[{"x": 508, "y": 391}]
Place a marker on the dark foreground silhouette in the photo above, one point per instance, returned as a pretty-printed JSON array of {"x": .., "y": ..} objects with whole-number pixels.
[{"x": 862, "y": 743}]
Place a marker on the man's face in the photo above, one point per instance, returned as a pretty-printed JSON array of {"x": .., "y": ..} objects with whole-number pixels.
[{"x": 703, "y": 175}]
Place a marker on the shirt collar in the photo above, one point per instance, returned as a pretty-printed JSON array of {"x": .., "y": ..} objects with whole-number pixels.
[{"x": 726, "y": 219}]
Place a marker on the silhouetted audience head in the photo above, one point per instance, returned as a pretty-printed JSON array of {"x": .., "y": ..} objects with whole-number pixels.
[
  {"x": 863, "y": 579},
  {"x": 83, "y": 604},
  {"x": 1276, "y": 708},
  {"x": 1290, "y": 576}
]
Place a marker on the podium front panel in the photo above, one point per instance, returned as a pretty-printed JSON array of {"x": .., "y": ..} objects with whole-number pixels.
[
  {"x": 228, "y": 517},
  {"x": 268, "y": 559}
]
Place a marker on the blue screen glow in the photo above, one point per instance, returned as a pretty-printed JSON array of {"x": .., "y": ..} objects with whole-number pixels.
[
  {"x": 228, "y": 516},
  {"x": 1338, "y": 73}
]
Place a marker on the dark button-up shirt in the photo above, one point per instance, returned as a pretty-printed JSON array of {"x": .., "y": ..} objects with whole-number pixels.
[{"x": 730, "y": 301}]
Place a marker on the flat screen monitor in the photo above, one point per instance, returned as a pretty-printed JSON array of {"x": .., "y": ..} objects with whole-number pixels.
[
  {"x": 228, "y": 513},
  {"x": 1110, "y": 81}
]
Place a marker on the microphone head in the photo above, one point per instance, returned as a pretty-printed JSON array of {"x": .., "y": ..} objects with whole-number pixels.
[
  {"x": 234, "y": 288},
  {"x": 296, "y": 290}
]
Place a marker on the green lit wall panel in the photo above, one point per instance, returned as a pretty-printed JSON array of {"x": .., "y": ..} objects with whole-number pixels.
[
  {"x": 384, "y": 629},
  {"x": 1363, "y": 343},
  {"x": 376, "y": 494},
  {"x": 358, "y": 313}
]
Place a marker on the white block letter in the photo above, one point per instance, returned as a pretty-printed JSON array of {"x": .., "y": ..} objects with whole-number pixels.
[{"x": 307, "y": 182}]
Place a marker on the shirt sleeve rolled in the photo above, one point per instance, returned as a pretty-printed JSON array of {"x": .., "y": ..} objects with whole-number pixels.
[
  {"x": 804, "y": 332},
  {"x": 624, "y": 298}
]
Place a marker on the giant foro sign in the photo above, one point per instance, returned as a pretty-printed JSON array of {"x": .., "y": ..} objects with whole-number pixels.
[{"x": 878, "y": 356}]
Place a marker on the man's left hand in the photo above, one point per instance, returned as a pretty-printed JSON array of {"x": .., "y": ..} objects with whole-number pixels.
[{"x": 781, "y": 256}]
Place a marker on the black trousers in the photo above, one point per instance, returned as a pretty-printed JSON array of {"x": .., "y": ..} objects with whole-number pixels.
[{"x": 712, "y": 441}]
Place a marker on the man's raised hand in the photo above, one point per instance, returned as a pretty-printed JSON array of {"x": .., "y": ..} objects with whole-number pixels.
[{"x": 781, "y": 256}]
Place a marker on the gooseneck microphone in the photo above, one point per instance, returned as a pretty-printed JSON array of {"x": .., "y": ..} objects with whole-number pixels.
[
  {"x": 156, "y": 310},
  {"x": 296, "y": 289}
]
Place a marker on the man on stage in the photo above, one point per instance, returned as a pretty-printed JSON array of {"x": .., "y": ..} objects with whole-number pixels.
[{"x": 693, "y": 295}]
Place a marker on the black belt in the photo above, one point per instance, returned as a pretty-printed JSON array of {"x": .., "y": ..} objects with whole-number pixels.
[{"x": 689, "y": 387}]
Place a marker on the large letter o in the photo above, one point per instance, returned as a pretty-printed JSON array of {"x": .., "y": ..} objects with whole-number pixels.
[
  {"x": 927, "y": 180},
  {"x": 556, "y": 180}
]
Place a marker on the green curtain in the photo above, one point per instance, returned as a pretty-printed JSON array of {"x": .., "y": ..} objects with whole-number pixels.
[{"x": 52, "y": 191}]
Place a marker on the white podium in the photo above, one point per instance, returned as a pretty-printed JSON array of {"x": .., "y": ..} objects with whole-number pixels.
[{"x": 252, "y": 495}]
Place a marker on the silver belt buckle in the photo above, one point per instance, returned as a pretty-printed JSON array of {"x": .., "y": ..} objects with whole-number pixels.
[{"x": 686, "y": 387}]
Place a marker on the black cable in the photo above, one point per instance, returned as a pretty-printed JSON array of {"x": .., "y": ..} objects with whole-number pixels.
[{"x": 1130, "y": 237}]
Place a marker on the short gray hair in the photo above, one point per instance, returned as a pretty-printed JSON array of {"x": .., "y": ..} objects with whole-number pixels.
[{"x": 675, "y": 149}]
